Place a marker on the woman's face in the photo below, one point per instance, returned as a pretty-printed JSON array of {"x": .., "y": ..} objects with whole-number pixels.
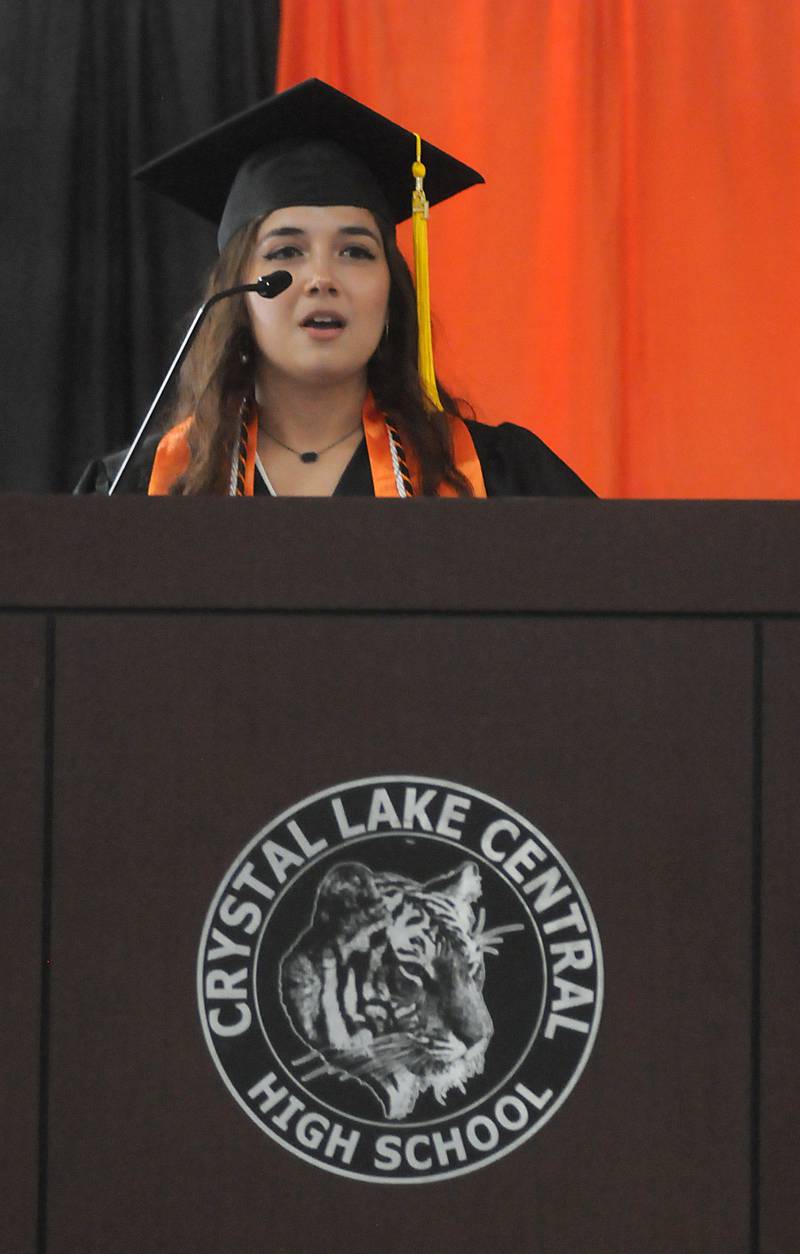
[{"x": 326, "y": 326}]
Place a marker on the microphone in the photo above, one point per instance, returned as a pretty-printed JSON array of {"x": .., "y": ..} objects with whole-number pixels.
[{"x": 269, "y": 286}]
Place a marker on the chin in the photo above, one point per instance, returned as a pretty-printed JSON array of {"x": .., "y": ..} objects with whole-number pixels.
[{"x": 329, "y": 373}]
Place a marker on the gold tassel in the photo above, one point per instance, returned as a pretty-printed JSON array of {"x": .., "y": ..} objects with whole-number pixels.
[{"x": 419, "y": 228}]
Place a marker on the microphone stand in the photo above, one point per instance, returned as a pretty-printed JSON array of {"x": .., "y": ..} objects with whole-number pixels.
[{"x": 268, "y": 286}]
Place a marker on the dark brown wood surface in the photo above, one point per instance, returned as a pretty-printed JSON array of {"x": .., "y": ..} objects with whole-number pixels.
[
  {"x": 22, "y": 734},
  {"x": 628, "y": 743},
  {"x": 780, "y": 951},
  {"x": 547, "y": 555},
  {"x": 597, "y": 666}
]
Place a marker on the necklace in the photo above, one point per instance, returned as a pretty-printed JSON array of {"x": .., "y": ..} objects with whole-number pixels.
[{"x": 311, "y": 455}]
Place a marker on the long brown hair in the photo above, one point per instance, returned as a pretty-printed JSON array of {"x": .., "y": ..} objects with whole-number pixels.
[{"x": 219, "y": 374}]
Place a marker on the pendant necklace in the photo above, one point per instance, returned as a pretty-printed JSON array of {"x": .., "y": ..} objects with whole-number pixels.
[{"x": 311, "y": 455}]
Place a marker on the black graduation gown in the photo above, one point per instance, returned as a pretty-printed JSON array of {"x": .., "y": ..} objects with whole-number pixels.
[{"x": 515, "y": 462}]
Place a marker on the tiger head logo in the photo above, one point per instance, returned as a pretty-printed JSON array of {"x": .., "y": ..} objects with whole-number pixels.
[{"x": 385, "y": 985}]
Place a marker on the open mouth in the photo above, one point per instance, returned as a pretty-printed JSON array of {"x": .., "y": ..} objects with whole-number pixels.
[{"x": 323, "y": 322}]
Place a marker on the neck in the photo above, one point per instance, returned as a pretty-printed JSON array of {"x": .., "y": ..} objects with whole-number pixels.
[{"x": 308, "y": 415}]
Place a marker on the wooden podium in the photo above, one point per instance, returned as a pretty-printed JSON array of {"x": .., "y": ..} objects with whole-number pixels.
[{"x": 176, "y": 674}]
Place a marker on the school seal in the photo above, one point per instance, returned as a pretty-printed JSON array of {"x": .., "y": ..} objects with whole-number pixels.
[{"x": 400, "y": 979}]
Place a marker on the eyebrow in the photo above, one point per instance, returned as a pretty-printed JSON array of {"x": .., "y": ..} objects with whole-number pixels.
[{"x": 342, "y": 230}]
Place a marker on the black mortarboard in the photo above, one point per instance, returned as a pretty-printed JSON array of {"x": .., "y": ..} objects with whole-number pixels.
[{"x": 310, "y": 145}]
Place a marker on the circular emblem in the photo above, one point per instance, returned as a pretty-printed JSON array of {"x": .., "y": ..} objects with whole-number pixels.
[{"x": 400, "y": 979}]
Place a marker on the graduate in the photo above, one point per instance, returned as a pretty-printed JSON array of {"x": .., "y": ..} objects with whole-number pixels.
[{"x": 329, "y": 388}]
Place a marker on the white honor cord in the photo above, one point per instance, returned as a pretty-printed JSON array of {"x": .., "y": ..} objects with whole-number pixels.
[{"x": 398, "y": 478}]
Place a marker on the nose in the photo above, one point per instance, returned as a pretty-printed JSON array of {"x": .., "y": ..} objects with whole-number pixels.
[{"x": 320, "y": 280}]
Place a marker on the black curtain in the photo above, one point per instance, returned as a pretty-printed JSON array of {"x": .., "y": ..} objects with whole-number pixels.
[{"x": 97, "y": 274}]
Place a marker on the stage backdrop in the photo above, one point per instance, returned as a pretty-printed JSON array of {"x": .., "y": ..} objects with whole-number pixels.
[{"x": 627, "y": 282}]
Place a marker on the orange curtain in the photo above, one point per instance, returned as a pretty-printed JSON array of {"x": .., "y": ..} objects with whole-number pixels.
[{"x": 627, "y": 282}]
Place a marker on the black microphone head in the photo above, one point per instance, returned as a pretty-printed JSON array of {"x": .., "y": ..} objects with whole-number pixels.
[{"x": 270, "y": 285}]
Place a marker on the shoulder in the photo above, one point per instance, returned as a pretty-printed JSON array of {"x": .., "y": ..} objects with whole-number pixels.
[
  {"x": 100, "y": 474},
  {"x": 515, "y": 462}
]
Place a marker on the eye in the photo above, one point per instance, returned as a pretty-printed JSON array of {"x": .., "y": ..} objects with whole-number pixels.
[
  {"x": 284, "y": 253},
  {"x": 358, "y": 252}
]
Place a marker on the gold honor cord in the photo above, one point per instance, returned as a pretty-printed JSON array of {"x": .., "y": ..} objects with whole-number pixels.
[{"x": 419, "y": 227}]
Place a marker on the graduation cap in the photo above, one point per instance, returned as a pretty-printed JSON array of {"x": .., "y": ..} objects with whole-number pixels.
[{"x": 314, "y": 145}]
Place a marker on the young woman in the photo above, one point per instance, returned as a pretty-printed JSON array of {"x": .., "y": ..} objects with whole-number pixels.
[{"x": 322, "y": 390}]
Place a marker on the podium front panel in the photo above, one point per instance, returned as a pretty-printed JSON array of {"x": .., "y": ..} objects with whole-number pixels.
[
  {"x": 628, "y": 741},
  {"x": 779, "y": 1037},
  {"x": 22, "y": 731}
]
